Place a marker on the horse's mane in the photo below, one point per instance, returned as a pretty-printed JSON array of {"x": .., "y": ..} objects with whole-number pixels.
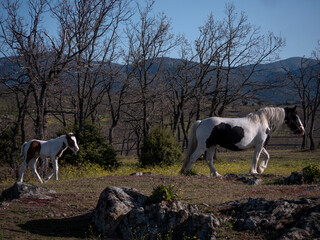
[
  {"x": 274, "y": 117},
  {"x": 59, "y": 137}
]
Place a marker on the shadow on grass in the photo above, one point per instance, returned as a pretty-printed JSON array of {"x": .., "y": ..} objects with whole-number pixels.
[{"x": 76, "y": 227}]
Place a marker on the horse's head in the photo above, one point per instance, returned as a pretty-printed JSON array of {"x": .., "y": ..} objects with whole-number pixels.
[
  {"x": 293, "y": 121},
  {"x": 72, "y": 142}
]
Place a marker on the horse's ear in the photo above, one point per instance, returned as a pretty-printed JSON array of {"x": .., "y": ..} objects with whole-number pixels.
[
  {"x": 68, "y": 135},
  {"x": 294, "y": 108}
]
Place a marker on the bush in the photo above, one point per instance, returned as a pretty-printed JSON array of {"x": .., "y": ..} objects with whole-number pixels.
[
  {"x": 5, "y": 145},
  {"x": 160, "y": 148},
  {"x": 310, "y": 174},
  {"x": 163, "y": 193},
  {"x": 93, "y": 149}
]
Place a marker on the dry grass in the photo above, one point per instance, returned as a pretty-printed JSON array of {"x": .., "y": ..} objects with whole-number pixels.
[{"x": 78, "y": 191}]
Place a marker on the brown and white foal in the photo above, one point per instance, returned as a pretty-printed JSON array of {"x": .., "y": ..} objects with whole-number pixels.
[{"x": 52, "y": 149}]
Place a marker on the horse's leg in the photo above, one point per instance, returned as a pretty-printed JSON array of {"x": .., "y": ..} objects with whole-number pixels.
[
  {"x": 49, "y": 176},
  {"x": 194, "y": 156},
  {"x": 255, "y": 159},
  {"x": 32, "y": 165},
  {"x": 210, "y": 156},
  {"x": 55, "y": 167},
  {"x": 264, "y": 163},
  {"x": 21, "y": 171}
]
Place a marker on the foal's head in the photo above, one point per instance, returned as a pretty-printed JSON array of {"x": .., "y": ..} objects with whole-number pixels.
[
  {"x": 72, "y": 142},
  {"x": 293, "y": 121}
]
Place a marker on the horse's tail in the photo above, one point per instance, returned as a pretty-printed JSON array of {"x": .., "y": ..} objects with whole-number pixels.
[
  {"x": 192, "y": 144},
  {"x": 22, "y": 151}
]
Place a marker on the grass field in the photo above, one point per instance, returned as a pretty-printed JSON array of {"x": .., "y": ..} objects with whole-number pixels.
[
  {"x": 282, "y": 162},
  {"x": 78, "y": 191}
]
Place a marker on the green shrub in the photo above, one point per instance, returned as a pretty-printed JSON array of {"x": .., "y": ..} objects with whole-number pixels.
[
  {"x": 163, "y": 193},
  {"x": 160, "y": 148},
  {"x": 310, "y": 174},
  {"x": 93, "y": 149},
  {"x": 5, "y": 145}
]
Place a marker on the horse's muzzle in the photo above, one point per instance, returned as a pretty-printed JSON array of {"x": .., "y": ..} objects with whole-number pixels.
[
  {"x": 300, "y": 131},
  {"x": 75, "y": 150}
]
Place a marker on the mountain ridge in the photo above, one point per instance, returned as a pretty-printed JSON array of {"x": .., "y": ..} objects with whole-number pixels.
[{"x": 272, "y": 73}]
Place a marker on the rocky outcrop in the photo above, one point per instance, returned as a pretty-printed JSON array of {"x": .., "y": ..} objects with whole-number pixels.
[
  {"x": 26, "y": 190},
  {"x": 125, "y": 213},
  {"x": 245, "y": 178},
  {"x": 279, "y": 219},
  {"x": 294, "y": 179}
]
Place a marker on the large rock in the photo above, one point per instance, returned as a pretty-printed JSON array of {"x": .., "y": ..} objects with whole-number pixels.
[
  {"x": 114, "y": 203},
  {"x": 294, "y": 179},
  {"x": 281, "y": 219},
  {"x": 125, "y": 213},
  {"x": 26, "y": 190}
]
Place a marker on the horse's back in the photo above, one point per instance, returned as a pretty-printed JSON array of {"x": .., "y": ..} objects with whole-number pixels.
[{"x": 230, "y": 133}]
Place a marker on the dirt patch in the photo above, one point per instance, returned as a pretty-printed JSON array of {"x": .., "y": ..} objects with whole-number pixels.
[{"x": 68, "y": 211}]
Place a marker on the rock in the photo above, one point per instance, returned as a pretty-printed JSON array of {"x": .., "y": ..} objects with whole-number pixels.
[
  {"x": 142, "y": 173},
  {"x": 26, "y": 190},
  {"x": 254, "y": 181},
  {"x": 125, "y": 213},
  {"x": 4, "y": 204},
  {"x": 294, "y": 178},
  {"x": 245, "y": 178},
  {"x": 284, "y": 219},
  {"x": 114, "y": 203},
  {"x": 136, "y": 174}
]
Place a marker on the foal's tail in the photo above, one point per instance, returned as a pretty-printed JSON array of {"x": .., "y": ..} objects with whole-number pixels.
[
  {"x": 192, "y": 145},
  {"x": 22, "y": 153}
]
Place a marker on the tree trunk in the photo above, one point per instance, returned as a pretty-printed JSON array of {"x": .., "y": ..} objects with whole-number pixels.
[{"x": 312, "y": 144}]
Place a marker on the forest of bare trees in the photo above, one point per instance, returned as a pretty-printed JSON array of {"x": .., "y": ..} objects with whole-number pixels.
[{"x": 106, "y": 65}]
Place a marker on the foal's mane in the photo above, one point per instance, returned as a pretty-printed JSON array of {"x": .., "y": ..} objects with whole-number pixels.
[{"x": 272, "y": 116}]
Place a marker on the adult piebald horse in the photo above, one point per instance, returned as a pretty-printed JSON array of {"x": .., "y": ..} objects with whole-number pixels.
[
  {"x": 53, "y": 148},
  {"x": 252, "y": 131}
]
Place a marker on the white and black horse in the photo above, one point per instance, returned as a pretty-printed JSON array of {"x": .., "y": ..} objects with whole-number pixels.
[
  {"x": 252, "y": 131},
  {"x": 52, "y": 149}
]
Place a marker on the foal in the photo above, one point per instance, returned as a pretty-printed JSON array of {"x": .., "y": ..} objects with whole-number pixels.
[{"x": 53, "y": 149}]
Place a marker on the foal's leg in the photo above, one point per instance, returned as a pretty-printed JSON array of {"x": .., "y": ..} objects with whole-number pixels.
[
  {"x": 264, "y": 163},
  {"x": 255, "y": 159},
  {"x": 194, "y": 156},
  {"x": 32, "y": 165},
  {"x": 49, "y": 176},
  {"x": 55, "y": 167},
  {"x": 210, "y": 156},
  {"x": 21, "y": 171}
]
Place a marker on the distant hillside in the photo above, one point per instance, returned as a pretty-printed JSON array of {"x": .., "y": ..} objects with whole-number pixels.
[
  {"x": 271, "y": 73},
  {"x": 275, "y": 74}
]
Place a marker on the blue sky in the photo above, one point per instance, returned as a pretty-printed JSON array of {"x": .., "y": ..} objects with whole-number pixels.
[{"x": 298, "y": 21}]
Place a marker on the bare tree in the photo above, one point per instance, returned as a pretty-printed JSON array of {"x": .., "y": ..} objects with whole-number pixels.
[
  {"x": 26, "y": 43},
  {"x": 305, "y": 83},
  {"x": 40, "y": 57},
  {"x": 91, "y": 28},
  {"x": 219, "y": 68},
  {"x": 181, "y": 88},
  {"x": 149, "y": 40},
  {"x": 15, "y": 83},
  {"x": 316, "y": 100},
  {"x": 302, "y": 82},
  {"x": 235, "y": 48}
]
